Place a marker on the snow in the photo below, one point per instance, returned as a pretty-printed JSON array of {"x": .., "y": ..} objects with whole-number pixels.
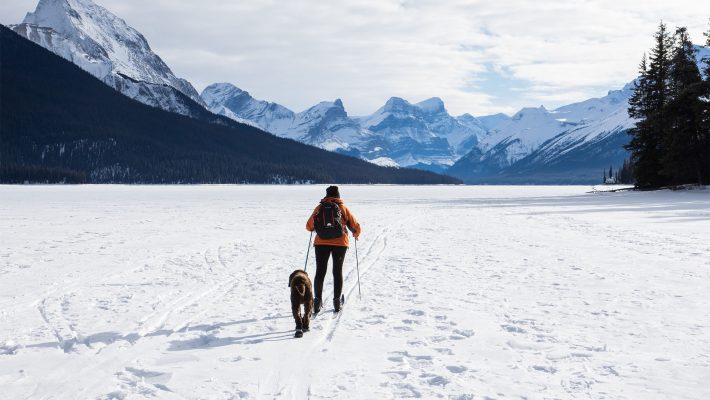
[
  {"x": 432, "y": 105},
  {"x": 384, "y": 162},
  {"x": 175, "y": 292}
]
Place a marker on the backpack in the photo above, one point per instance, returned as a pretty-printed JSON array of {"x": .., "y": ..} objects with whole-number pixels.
[{"x": 328, "y": 220}]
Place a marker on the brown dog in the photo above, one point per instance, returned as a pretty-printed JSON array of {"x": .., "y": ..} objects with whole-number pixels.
[{"x": 301, "y": 293}]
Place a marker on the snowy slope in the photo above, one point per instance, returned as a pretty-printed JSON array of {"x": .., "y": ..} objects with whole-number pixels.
[
  {"x": 614, "y": 119},
  {"x": 105, "y": 46},
  {"x": 525, "y": 131},
  {"x": 585, "y": 122},
  {"x": 465, "y": 294}
]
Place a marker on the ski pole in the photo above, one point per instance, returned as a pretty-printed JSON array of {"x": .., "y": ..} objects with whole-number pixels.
[
  {"x": 308, "y": 252},
  {"x": 357, "y": 264}
]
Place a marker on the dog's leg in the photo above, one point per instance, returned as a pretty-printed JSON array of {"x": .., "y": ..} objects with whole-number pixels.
[
  {"x": 296, "y": 309},
  {"x": 297, "y": 316},
  {"x": 308, "y": 309}
]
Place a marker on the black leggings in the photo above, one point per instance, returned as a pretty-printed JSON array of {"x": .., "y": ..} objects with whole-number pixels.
[{"x": 322, "y": 255}]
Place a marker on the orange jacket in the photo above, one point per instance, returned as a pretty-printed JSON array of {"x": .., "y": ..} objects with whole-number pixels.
[{"x": 348, "y": 220}]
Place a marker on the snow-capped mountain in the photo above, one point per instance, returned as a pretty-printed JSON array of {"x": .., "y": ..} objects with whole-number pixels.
[
  {"x": 326, "y": 125},
  {"x": 398, "y": 134},
  {"x": 230, "y": 101},
  {"x": 515, "y": 138},
  {"x": 105, "y": 46},
  {"x": 538, "y": 138},
  {"x": 422, "y": 134}
]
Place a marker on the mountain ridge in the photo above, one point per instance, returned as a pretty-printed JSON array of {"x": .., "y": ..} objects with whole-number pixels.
[{"x": 399, "y": 133}]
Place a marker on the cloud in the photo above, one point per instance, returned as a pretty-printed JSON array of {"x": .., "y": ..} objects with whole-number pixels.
[{"x": 479, "y": 56}]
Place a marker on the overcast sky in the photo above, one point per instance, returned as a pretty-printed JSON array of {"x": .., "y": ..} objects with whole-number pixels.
[{"x": 480, "y": 57}]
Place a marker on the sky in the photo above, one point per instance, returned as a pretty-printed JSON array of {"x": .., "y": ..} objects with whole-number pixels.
[{"x": 479, "y": 57}]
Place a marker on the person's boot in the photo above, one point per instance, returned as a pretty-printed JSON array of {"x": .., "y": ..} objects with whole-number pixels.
[
  {"x": 316, "y": 305},
  {"x": 336, "y": 305}
]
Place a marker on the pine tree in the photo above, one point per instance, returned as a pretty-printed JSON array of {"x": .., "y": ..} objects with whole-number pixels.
[
  {"x": 643, "y": 148},
  {"x": 626, "y": 172},
  {"x": 682, "y": 154},
  {"x": 646, "y": 105}
]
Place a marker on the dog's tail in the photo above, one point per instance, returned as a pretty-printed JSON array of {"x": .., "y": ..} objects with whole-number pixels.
[{"x": 301, "y": 288}]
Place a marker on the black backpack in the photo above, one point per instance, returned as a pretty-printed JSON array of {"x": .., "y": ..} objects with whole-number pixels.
[{"x": 328, "y": 220}]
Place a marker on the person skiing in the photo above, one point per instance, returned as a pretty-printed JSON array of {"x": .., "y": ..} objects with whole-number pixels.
[{"x": 329, "y": 220}]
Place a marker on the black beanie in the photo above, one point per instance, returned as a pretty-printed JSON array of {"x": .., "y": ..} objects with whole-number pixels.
[{"x": 332, "y": 191}]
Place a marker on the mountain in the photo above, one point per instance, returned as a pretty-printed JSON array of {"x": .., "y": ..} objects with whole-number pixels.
[
  {"x": 421, "y": 135},
  {"x": 232, "y": 102},
  {"x": 59, "y": 123},
  {"x": 567, "y": 145},
  {"x": 325, "y": 125},
  {"x": 104, "y": 45},
  {"x": 328, "y": 126}
]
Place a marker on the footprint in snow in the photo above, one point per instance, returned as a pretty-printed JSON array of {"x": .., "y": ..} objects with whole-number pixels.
[
  {"x": 513, "y": 329},
  {"x": 456, "y": 369},
  {"x": 436, "y": 380},
  {"x": 546, "y": 369}
]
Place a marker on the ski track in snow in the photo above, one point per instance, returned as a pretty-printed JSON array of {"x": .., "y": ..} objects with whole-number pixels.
[{"x": 176, "y": 292}]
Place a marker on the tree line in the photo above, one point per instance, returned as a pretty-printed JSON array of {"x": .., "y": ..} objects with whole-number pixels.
[
  {"x": 670, "y": 142},
  {"x": 623, "y": 174}
]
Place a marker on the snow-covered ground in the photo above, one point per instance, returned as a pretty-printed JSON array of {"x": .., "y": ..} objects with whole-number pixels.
[{"x": 180, "y": 292}]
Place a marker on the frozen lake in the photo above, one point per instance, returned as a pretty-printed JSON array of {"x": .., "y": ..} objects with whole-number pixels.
[{"x": 180, "y": 292}]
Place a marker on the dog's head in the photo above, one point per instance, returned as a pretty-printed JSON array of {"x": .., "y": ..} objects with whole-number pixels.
[{"x": 293, "y": 275}]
